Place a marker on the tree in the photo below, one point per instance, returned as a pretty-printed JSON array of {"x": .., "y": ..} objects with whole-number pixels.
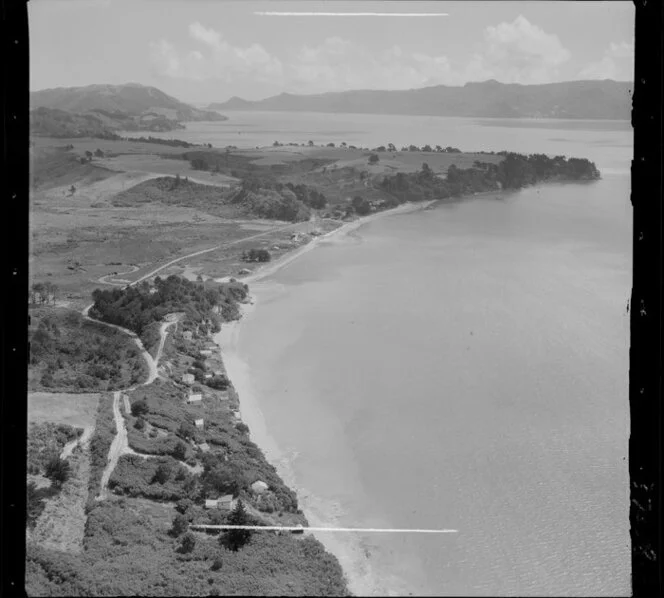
[
  {"x": 439, "y": 149},
  {"x": 180, "y": 451},
  {"x": 234, "y": 539},
  {"x": 188, "y": 543},
  {"x": 99, "y": 153},
  {"x": 57, "y": 470},
  {"x": 34, "y": 504},
  {"x": 88, "y": 154},
  {"x": 217, "y": 564},
  {"x": 311, "y": 143},
  {"x": 139, "y": 424},
  {"x": 361, "y": 205},
  {"x": 391, "y": 147},
  {"x": 139, "y": 408},
  {"x": 162, "y": 474},
  {"x": 426, "y": 148},
  {"x": 180, "y": 525},
  {"x": 373, "y": 158}
]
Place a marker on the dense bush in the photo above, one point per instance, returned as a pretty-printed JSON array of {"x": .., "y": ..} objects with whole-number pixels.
[
  {"x": 513, "y": 172},
  {"x": 69, "y": 353},
  {"x": 100, "y": 443},
  {"x": 46, "y": 441},
  {"x": 256, "y": 255},
  {"x": 136, "y": 307},
  {"x": 57, "y": 470},
  {"x": 128, "y": 552},
  {"x": 150, "y": 478},
  {"x": 218, "y": 382}
]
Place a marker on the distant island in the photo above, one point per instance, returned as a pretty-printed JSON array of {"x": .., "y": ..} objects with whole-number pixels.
[
  {"x": 99, "y": 110},
  {"x": 606, "y": 99}
]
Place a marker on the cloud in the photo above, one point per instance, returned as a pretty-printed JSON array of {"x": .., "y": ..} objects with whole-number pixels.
[
  {"x": 338, "y": 64},
  {"x": 218, "y": 59},
  {"x": 511, "y": 52},
  {"x": 518, "y": 52},
  {"x": 617, "y": 63}
]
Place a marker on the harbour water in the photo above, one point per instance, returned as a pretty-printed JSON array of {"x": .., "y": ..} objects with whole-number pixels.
[{"x": 464, "y": 367}]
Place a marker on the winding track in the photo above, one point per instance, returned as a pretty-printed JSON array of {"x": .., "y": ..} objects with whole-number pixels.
[{"x": 120, "y": 445}]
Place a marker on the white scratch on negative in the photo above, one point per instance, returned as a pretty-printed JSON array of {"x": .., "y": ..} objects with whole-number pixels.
[{"x": 350, "y": 14}]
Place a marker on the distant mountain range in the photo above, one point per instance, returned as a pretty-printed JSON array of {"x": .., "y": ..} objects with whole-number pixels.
[
  {"x": 106, "y": 108},
  {"x": 490, "y": 99}
]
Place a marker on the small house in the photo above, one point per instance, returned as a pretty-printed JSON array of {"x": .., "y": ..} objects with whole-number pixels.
[
  {"x": 208, "y": 376},
  {"x": 186, "y": 335},
  {"x": 188, "y": 379},
  {"x": 204, "y": 446},
  {"x": 211, "y": 504},
  {"x": 259, "y": 487},
  {"x": 198, "y": 423},
  {"x": 218, "y": 373},
  {"x": 205, "y": 353},
  {"x": 236, "y": 414},
  {"x": 195, "y": 398},
  {"x": 225, "y": 502}
]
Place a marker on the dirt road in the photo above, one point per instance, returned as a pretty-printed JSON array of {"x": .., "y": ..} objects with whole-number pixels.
[
  {"x": 120, "y": 444},
  {"x": 82, "y": 440}
]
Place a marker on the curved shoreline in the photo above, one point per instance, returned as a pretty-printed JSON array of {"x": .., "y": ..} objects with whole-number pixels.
[{"x": 360, "y": 581}]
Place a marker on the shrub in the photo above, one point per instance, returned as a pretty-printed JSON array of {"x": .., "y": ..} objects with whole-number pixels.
[
  {"x": 139, "y": 424},
  {"x": 139, "y": 408},
  {"x": 180, "y": 451},
  {"x": 217, "y": 564},
  {"x": 184, "y": 505},
  {"x": 180, "y": 525},
  {"x": 218, "y": 382},
  {"x": 242, "y": 427},
  {"x": 162, "y": 474},
  {"x": 188, "y": 543},
  {"x": 57, "y": 470}
]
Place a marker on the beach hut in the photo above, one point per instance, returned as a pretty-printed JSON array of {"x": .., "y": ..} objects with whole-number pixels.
[
  {"x": 188, "y": 378},
  {"x": 198, "y": 423},
  {"x": 195, "y": 398},
  {"x": 259, "y": 487}
]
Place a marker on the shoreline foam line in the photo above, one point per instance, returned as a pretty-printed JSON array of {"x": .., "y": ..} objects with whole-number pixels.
[{"x": 326, "y": 529}]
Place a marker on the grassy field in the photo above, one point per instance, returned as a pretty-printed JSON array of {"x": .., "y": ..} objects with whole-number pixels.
[
  {"x": 113, "y": 220},
  {"x": 77, "y": 410}
]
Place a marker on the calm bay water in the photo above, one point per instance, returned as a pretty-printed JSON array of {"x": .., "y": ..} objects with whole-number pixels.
[{"x": 461, "y": 367}]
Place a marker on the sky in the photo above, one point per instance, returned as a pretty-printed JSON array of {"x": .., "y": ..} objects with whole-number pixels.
[{"x": 204, "y": 51}]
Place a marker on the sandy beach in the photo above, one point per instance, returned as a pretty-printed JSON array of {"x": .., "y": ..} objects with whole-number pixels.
[{"x": 361, "y": 580}]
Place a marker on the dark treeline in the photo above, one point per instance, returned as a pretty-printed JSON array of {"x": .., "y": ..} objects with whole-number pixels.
[
  {"x": 514, "y": 172},
  {"x": 137, "y": 307}
]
